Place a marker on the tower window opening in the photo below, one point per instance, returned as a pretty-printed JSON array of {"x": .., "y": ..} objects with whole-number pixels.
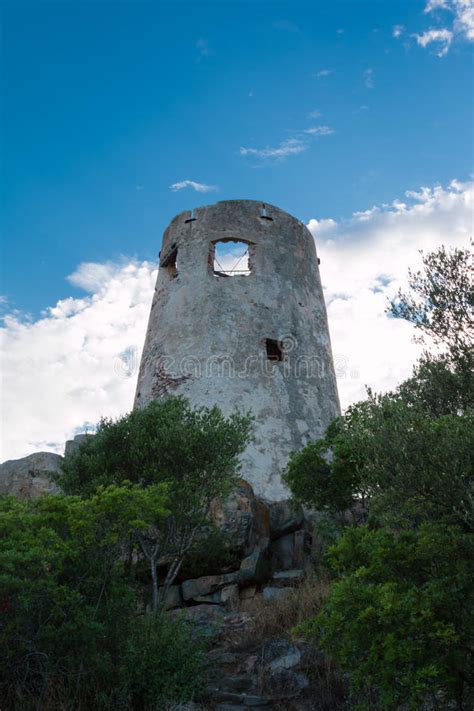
[
  {"x": 169, "y": 261},
  {"x": 274, "y": 350},
  {"x": 264, "y": 213},
  {"x": 229, "y": 258}
]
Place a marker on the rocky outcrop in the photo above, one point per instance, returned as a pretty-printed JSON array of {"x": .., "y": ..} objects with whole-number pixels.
[
  {"x": 243, "y": 517},
  {"x": 275, "y": 673},
  {"x": 27, "y": 477}
]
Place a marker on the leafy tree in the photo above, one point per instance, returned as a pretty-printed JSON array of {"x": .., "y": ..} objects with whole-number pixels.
[
  {"x": 437, "y": 388},
  {"x": 395, "y": 453},
  {"x": 69, "y": 612},
  {"x": 400, "y": 617},
  {"x": 440, "y": 302},
  {"x": 324, "y": 475},
  {"x": 194, "y": 452}
]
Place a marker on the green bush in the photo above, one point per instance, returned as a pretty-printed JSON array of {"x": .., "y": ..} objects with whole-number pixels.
[
  {"x": 400, "y": 616},
  {"x": 69, "y": 627},
  {"x": 192, "y": 452},
  {"x": 162, "y": 661}
]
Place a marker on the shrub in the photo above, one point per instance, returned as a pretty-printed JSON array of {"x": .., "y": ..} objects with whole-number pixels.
[
  {"x": 400, "y": 616},
  {"x": 69, "y": 630}
]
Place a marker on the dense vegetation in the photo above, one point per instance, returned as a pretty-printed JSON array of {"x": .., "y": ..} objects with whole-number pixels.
[
  {"x": 83, "y": 574},
  {"x": 400, "y": 615},
  {"x": 73, "y": 628}
]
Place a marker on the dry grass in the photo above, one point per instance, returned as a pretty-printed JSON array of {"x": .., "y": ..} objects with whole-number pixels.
[{"x": 276, "y": 618}]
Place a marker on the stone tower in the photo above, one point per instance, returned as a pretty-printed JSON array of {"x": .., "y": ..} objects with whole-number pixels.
[{"x": 238, "y": 319}]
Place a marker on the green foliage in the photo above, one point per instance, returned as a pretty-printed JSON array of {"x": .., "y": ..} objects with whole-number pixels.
[
  {"x": 161, "y": 660},
  {"x": 392, "y": 459},
  {"x": 438, "y": 387},
  {"x": 405, "y": 460},
  {"x": 212, "y": 552},
  {"x": 440, "y": 302},
  {"x": 324, "y": 475},
  {"x": 194, "y": 453},
  {"x": 67, "y": 606},
  {"x": 400, "y": 617}
]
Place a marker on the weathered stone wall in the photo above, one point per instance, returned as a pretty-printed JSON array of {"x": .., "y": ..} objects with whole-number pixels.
[{"x": 207, "y": 334}]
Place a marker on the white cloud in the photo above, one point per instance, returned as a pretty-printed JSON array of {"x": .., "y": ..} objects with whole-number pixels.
[
  {"x": 315, "y": 114},
  {"x": 369, "y": 78},
  {"x": 364, "y": 260},
  {"x": 289, "y": 147},
  {"x": 91, "y": 276},
  {"x": 296, "y": 144},
  {"x": 75, "y": 363},
  {"x": 443, "y": 38},
  {"x": 464, "y": 18},
  {"x": 398, "y": 30},
  {"x": 319, "y": 131},
  {"x": 80, "y": 359},
  {"x": 323, "y": 73},
  {"x": 458, "y": 23},
  {"x": 435, "y": 5},
  {"x": 198, "y": 187}
]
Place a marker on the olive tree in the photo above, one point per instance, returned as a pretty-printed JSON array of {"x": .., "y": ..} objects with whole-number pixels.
[{"x": 194, "y": 452}]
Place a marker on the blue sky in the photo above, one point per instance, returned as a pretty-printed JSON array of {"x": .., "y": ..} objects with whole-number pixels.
[
  {"x": 356, "y": 117},
  {"x": 106, "y": 105}
]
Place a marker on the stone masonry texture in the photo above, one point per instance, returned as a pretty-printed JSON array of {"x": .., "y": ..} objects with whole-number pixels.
[{"x": 257, "y": 342}]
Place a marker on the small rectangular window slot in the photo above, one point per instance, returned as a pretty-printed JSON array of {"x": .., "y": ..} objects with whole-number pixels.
[
  {"x": 169, "y": 261},
  {"x": 264, "y": 214},
  {"x": 274, "y": 350},
  {"x": 192, "y": 218}
]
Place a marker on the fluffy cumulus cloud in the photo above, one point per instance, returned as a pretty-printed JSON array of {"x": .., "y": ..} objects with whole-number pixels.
[
  {"x": 80, "y": 359},
  {"x": 75, "y": 363},
  {"x": 454, "y": 19},
  {"x": 364, "y": 260}
]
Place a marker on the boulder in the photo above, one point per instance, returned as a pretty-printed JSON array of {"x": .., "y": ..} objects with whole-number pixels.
[
  {"x": 202, "y": 587},
  {"x": 27, "y": 477},
  {"x": 279, "y": 654},
  {"x": 212, "y": 599},
  {"x": 230, "y": 595},
  {"x": 300, "y": 549},
  {"x": 244, "y": 518},
  {"x": 173, "y": 598},
  {"x": 248, "y": 593},
  {"x": 284, "y": 518},
  {"x": 282, "y": 552},
  {"x": 284, "y": 684},
  {"x": 255, "y": 568}
]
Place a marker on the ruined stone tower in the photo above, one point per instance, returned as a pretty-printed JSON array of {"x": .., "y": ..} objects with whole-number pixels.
[{"x": 238, "y": 319}]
